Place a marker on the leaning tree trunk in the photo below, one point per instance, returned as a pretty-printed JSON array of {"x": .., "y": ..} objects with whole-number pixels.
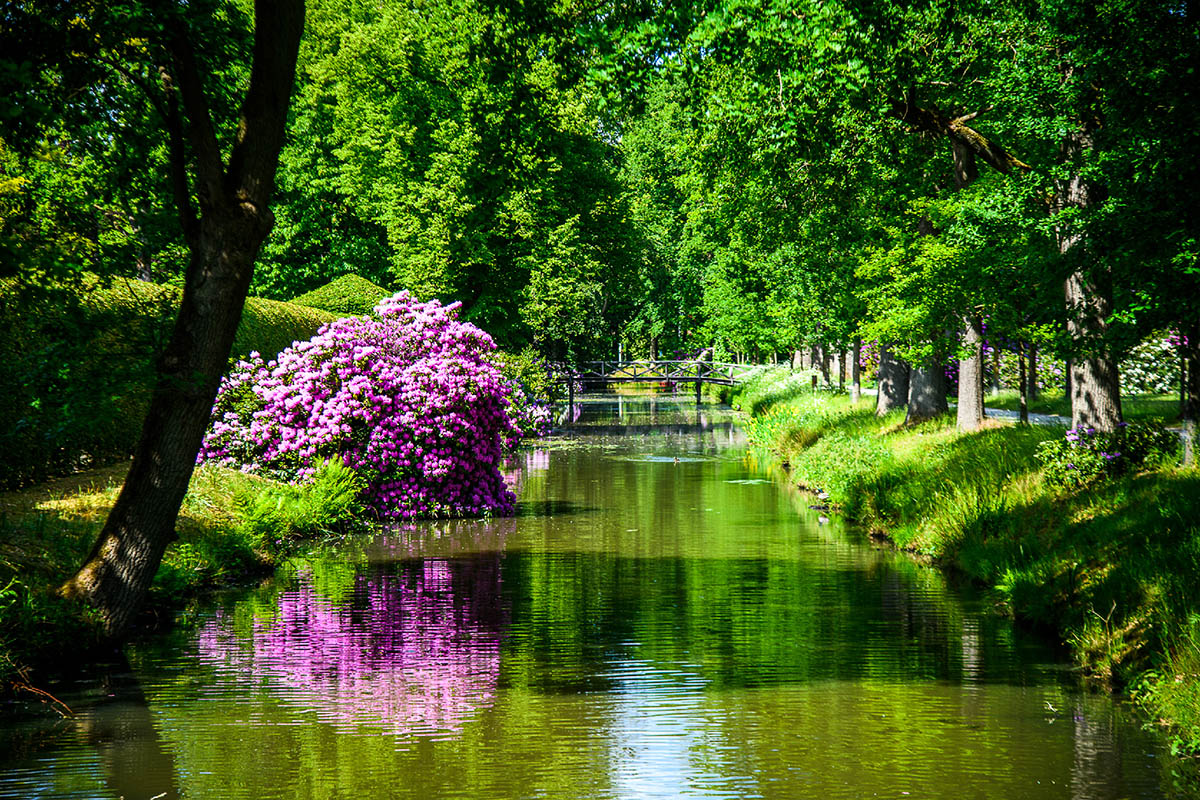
[
  {"x": 1095, "y": 388},
  {"x": 893, "y": 382},
  {"x": 926, "y": 394},
  {"x": 970, "y": 376},
  {"x": 224, "y": 242}
]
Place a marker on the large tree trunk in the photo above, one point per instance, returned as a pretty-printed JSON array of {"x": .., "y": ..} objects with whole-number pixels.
[
  {"x": 856, "y": 372},
  {"x": 970, "y": 377},
  {"x": 1095, "y": 385},
  {"x": 1095, "y": 388},
  {"x": 823, "y": 352},
  {"x": 1023, "y": 382},
  {"x": 970, "y": 369},
  {"x": 1031, "y": 389},
  {"x": 926, "y": 394},
  {"x": 234, "y": 220},
  {"x": 893, "y": 382},
  {"x": 1191, "y": 406}
]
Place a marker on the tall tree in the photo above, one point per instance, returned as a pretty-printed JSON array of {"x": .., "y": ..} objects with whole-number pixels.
[{"x": 222, "y": 190}]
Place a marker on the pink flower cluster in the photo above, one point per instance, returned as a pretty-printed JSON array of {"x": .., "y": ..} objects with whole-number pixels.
[{"x": 408, "y": 397}]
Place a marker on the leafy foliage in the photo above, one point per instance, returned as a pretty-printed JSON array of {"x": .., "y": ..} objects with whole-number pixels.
[{"x": 1084, "y": 455}]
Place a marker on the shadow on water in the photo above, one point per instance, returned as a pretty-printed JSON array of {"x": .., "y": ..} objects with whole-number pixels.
[
  {"x": 551, "y": 508},
  {"x": 121, "y": 729},
  {"x": 112, "y": 727}
]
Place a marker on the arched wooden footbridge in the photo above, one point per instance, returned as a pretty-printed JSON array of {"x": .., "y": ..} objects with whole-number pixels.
[{"x": 659, "y": 371}]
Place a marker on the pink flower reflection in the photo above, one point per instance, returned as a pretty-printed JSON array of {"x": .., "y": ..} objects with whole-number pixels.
[{"x": 402, "y": 652}]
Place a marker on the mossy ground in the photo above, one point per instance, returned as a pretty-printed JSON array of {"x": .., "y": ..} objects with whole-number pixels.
[{"x": 1113, "y": 568}]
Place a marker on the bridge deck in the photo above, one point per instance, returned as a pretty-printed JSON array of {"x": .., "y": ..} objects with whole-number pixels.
[{"x": 656, "y": 371}]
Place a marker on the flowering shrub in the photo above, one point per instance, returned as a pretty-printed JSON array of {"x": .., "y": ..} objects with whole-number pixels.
[
  {"x": 1085, "y": 455},
  {"x": 1152, "y": 367},
  {"x": 409, "y": 398}
]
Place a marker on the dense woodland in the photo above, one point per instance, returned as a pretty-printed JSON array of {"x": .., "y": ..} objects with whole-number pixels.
[
  {"x": 754, "y": 178},
  {"x": 758, "y": 178}
]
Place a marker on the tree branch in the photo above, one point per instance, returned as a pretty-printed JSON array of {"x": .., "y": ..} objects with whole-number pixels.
[
  {"x": 278, "y": 25},
  {"x": 180, "y": 186},
  {"x": 933, "y": 121},
  {"x": 209, "y": 168}
]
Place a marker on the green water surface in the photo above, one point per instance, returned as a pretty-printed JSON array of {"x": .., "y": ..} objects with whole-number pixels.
[{"x": 660, "y": 620}]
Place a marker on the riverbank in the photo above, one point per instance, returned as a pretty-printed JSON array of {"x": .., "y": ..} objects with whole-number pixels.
[
  {"x": 233, "y": 529},
  {"x": 1113, "y": 568}
]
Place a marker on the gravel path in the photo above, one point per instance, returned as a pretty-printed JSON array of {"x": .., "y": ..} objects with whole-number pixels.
[{"x": 1034, "y": 419}]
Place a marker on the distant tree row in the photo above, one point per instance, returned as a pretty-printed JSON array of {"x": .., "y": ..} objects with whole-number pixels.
[{"x": 762, "y": 177}]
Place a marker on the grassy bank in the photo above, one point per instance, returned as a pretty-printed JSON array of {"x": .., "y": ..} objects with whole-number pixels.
[
  {"x": 1113, "y": 568},
  {"x": 232, "y": 529}
]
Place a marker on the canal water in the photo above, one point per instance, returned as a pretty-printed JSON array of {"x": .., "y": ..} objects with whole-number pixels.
[{"x": 660, "y": 620}]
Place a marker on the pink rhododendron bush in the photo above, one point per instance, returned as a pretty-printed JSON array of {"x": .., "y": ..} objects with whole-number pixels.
[{"x": 409, "y": 398}]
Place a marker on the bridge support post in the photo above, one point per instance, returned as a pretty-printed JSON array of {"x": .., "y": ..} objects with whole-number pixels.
[
  {"x": 570, "y": 397},
  {"x": 697, "y": 382}
]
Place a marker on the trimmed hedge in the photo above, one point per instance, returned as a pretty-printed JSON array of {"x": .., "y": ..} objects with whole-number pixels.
[
  {"x": 77, "y": 366},
  {"x": 349, "y": 295},
  {"x": 270, "y": 326}
]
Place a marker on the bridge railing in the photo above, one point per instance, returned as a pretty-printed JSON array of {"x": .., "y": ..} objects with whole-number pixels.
[{"x": 652, "y": 371}]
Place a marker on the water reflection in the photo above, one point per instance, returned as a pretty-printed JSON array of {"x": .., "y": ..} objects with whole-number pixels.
[
  {"x": 660, "y": 620},
  {"x": 416, "y": 651},
  {"x": 121, "y": 729}
]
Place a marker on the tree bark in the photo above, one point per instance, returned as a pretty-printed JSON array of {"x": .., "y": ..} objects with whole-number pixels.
[
  {"x": 856, "y": 372},
  {"x": 893, "y": 382},
  {"x": 234, "y": 220},
  {"x": 1031, "y": 390},
  {"x": 1191, "y": 407},
  {"x": 926, "y": 394},
  {"x": 1023, "y": 382},
  {"x": 1095, "y": 388},
  {"x": 970, "y": 376},
  {"x": 970, "y": 369}
]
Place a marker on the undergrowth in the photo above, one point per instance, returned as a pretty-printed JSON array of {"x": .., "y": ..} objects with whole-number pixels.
[
  {"x": 1113, "y": 565},
  {"x": 232, "y": 528}
]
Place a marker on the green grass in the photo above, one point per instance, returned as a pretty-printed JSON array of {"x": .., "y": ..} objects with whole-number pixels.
[
  {"x": 232, "y": 527},
  {"x": 1135, "y": 408},
  {"x": 1114, "y": 568}
]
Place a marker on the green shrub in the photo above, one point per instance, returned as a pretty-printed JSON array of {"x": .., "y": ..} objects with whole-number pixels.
[
  {"x": 346, "y": 296},
  {"x": 269, "y": 327},
  {"x": 275, "y": 513},
  {"x": 1084, "y": 455},
  {"x": 529, "y": 370},
  {"x": 78, "y": 366}
]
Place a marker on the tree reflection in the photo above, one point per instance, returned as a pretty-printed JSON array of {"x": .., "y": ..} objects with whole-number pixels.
[{"x": 415, "y": 650}]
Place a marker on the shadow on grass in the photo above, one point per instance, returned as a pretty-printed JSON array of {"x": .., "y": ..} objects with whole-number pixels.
[{"x": 1117, "y": 567}]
